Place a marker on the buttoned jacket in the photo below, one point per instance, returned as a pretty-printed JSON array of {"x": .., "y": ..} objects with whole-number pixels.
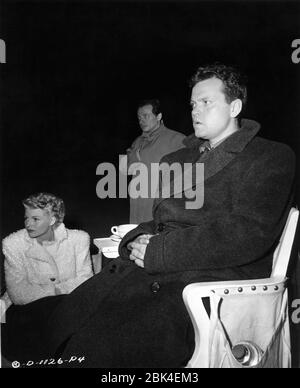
[{"x": 33, "y": 272}]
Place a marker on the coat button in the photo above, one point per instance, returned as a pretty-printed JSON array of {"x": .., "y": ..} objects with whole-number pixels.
[
  {"x": 52, "y": 279},
  {"x": 155, "y": 287},
  {"x": 160, "y": 227},
  {"x": 113, "y": 268}
]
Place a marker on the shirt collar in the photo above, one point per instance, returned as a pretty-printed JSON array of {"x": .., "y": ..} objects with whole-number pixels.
[
  {"x": 206, "y": 145},
  {"x": 153, "y": 133},
  {"x": 235, "y": 142}
]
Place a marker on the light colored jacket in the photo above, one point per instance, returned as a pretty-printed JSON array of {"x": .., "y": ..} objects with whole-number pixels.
[
  {"x": 148, "y": 149},
  {"x": 34, "y": 271}
]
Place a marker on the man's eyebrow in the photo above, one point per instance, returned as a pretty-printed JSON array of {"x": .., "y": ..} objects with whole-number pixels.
[{"x": 204, "y": 97}]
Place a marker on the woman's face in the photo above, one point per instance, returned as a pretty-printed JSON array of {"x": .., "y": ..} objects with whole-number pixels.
[{"x": 38, "y": 223}]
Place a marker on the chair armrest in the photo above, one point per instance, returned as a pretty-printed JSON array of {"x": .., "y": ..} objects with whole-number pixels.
[
  {"x": 108, "y": 247},
  {"x": 97, "y": 263},
  {"x": 235, "y": 287},
  {"x": 5, "y": 303},
  {"x": 193, "y": 294}
]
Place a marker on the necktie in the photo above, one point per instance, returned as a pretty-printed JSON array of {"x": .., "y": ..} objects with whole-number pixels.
[{"x": 204, "y": 148}]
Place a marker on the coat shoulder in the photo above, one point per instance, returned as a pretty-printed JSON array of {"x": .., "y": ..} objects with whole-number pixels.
[
  {"x": 173, "y": 135},
  {"x": 78, "y": 235},
  {"x": 14, "y": 240},
  {"x": 172, "y": 132},
  {"x": 270, "y": 148},
  {"x": 180, "y": 155}
]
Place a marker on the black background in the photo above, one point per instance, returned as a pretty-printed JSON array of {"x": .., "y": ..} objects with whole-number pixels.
[{"x": 75, "y": 71}]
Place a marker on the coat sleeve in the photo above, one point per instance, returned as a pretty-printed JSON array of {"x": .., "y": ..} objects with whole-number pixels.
[
  {"x": 176, "y": 142},
  {"x": 143, "y": 228},
  {"x": 244, "y": 232},
  {"x": 83, "y": 264},
  {"x": 131, "y": 152},
  {"x": 19, "y": 289}
]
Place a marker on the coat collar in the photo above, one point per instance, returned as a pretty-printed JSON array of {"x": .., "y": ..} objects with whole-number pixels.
[
  {"x": 60, "y": 234},
  {"x": 234, "y": 143},
  {"x": 152, "y": 135},
  {"x": 146, "y": 138},
  {"x": 38, "y": 252},
  {"x": 214, "y": 161}
]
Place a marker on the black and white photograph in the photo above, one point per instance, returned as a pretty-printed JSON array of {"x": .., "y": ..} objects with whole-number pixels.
[{"x": 149, "y": 186}]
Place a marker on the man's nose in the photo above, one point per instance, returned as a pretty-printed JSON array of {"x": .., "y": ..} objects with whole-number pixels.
[
  {"x": 197, "y": 109},
  {"x": 195, "y": 114}
]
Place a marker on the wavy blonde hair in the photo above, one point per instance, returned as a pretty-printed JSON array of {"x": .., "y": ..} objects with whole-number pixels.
[{"x": 48, "y": 202}]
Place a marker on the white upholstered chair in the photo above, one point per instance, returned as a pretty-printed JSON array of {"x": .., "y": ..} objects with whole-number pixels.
[{"x": 248, "y": 310}]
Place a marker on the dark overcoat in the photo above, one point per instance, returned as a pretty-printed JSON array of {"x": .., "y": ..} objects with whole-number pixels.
[{"x": 127, "y": 316}]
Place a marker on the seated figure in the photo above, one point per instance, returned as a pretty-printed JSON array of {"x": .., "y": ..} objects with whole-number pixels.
[
  {"x": 132, "y": 313},
  {"x": 42, "y": 261},
  {"x": 45, "y": 258}
]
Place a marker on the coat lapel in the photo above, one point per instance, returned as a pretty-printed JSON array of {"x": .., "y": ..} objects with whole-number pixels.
[
  {"x": 37, "y": 252},
  {"x": 214, "y": 161}
]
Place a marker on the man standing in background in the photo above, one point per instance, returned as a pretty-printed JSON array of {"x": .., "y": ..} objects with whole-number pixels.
[{"x": 155, "y": 141}]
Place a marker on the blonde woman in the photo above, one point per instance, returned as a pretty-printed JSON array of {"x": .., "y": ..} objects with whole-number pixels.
[{"x": 43, "y": 260}]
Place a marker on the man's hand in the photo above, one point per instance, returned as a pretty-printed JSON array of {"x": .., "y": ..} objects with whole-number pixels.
[{"x": 138, "y": 249}]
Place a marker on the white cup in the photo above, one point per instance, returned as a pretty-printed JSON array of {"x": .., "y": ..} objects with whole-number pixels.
[{"x": 121, "y": 230}]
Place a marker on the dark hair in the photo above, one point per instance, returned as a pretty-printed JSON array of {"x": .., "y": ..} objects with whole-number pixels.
[
  {"x": 234, "y": 81},
  {"x": 155, "y": 103},
  {"x": 48, "y": 202}
]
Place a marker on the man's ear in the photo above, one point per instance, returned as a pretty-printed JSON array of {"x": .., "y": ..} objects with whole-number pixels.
[
  {"x": 236, "y": 107},
  {"x": 159, "y": 116}
]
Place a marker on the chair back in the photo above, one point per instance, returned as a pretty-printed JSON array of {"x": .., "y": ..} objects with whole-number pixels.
[{"x": 283, "y": 251}]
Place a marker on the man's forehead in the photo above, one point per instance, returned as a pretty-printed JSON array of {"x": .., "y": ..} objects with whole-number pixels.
[
  {"x": 145, "y": 109},
  {"x": 208, "y": 87}
]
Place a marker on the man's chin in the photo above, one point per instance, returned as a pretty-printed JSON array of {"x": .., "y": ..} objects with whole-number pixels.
[{"x": 199, "y": 132}]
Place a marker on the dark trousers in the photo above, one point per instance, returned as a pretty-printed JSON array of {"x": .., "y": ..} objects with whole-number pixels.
[{"x": 23, "y": 336}]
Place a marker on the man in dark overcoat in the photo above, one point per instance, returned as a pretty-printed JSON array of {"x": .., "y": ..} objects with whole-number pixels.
[{"x": 132, "y": 313}]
